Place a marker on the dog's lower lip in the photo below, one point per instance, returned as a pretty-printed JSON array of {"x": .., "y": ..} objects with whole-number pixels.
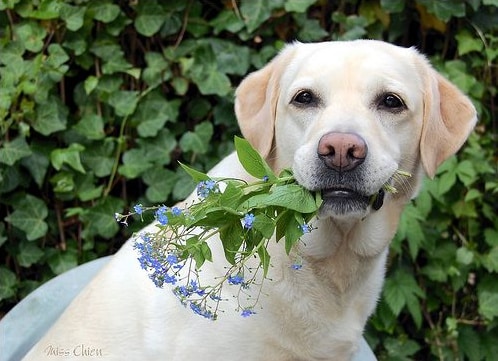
[{"x": 338, "y": 192}]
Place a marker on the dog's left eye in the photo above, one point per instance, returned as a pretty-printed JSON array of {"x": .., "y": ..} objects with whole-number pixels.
[
  {"x": 392, "y": 102},
  {"x": 304, "y": 98}
]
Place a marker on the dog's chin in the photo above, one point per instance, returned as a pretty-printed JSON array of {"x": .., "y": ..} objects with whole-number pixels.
[{"x": 340, "y": 203}]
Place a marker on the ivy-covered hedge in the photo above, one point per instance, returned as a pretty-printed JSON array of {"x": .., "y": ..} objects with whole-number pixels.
[{"x": 99, "y": 99}]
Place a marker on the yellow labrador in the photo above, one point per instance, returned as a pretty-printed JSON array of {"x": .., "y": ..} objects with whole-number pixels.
[{"x": 345, "y": 116}]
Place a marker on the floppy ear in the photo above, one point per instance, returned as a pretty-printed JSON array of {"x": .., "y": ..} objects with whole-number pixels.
[
  {"x": 449, "y": 117},
  {"x": 256, "y": 102}
]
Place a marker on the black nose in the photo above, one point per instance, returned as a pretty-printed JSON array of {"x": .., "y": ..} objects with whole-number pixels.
[{"x": 342, "y": 151}]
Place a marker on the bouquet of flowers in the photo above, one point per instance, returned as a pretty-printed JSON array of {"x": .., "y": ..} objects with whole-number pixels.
[{"x": 244, "y": 216}]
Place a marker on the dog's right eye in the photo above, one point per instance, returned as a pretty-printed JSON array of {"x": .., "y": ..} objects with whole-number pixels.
[{"x": 304, "y": 98}]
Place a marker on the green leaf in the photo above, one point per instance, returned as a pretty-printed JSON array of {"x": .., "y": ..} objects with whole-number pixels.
[
  {"x": 445, "y": 9},
  {"x": 161, "y": 183},
  {"x": 105, "y": 12},
  {"x": 8, "y": 283},
  {"x": 100, "y": 157},
  {"x": 124, "y": 102},
  {"x": 252, "y": 162},
  {"x": 400, "y": 290},
  {"x": 32, "y": 35},
  {"x": 195, "y": 174},
  {"x": 73, "y": 16},
  {"x": 100, "y": 220},
  {"x": 197, "y": 141},
  {"x": 255, "y": 12},
  {"x": 464, "y": 256},
  {"x": 467, "y": 43},
  {"x": 69, "y": 156},
  {"x": 29, "y": 254},
  {"x": 29, "y": 216},
  {"x": 264, "y": 224},
  {"x": 150, "y": 18},
  {"x": 291, "y": 196},
  {"x": 490, "y": 260},
  {"x": 298, "y": 6},
  {"x": 134, "y": 164},
  {"x": 15, "y": 150},
  {"x": 264, "y": 258},
  {"x": 487, "y": 294},
  {"x": 91, "y": 126},
  {"x": 231, "y": 236},
  {"x": 62, "y": 261},
  {"x": 63, "y": 182},
  {"x": 51, "y": 116},
  {"x": 469, "y": 343},
  {"x": 153, "y": 113},
  {"x": 400, "y": 350},
  {"x": 90, "y": 84}
]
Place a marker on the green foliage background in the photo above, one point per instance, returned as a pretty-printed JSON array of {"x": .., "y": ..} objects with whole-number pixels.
[{"x": 99, "y": 99}]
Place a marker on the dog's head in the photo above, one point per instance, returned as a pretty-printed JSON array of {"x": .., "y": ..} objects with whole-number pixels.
[{"x": 346, "y": 116}]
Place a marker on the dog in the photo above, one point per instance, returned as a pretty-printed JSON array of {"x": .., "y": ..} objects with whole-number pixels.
[{"x": 345, "y": 116}]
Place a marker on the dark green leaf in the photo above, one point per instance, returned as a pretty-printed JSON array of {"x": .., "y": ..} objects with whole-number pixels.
[
  {"x": 13, "y": 151},
  {"x": 50, "y": 117},
  {"x": 29, "y": 254},
  {"x": 29, "y": 216},
  {"x": 8, "y": 283},
  {"x": 150, "y": 18}
]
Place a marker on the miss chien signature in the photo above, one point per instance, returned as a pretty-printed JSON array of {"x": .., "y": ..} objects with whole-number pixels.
[{"x": 80, "y": 350}]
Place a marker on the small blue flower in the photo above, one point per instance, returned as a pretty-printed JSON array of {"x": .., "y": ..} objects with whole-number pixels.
[
  {"x": 172, "y": 259},
  {"x": 176, "y": 211},
  {"x": 248, "y": 220},
  {"x": 138, "y": 209},
  {"x": 247, "y": 312},
  {"x": 161, "y": 216},
  {"x": 305, "y": 228},
  {"x": 266, "y": 178},
  {"x": 206, "y": 187},
  {"x": 236, "y": 280},
  {"x": 296, "y": 266}
]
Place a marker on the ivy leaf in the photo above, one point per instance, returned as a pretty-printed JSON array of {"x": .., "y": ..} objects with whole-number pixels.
[
  {"x": 134, "y": 164},
  {"x": 51, "y": 116},
  {"x": 445, "y": 10},
  {"x": 124, "y": 102},
  {"x": 29, "y": 254},
  {"x": 252, "y": 162},
  {"x": 150, "y": 18},
  {"x": 161, "y": 183},
  {"x": 402, "y": 290},
  {"x": 91, "y": 126},
  {"x": 13, "y": 151},
  {"x": 197, "y": 141},
  {"x": 487, "y": 294},
  {"x": 61, "y": 261},
  {"x": 31, "y": 34},
  {"x": 105, "y": 11},
  {"x": 69, "y": 156},
  {"x": 73, "y": 16},
  {"x": 100, "y": 218},
  {"x": 29, "y": 216},
  {"x": 298, "y": 6},
  {"x": 153, "y": 112},
  {"x": 255, "y": 12},
  {"x": 8, "y": 283}
]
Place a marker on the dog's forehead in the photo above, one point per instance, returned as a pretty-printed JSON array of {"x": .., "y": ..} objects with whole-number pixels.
[{"x": 365, "y": 60}]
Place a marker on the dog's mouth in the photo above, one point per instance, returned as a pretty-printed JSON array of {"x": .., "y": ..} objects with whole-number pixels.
[{"x": 342, "y": 201}]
